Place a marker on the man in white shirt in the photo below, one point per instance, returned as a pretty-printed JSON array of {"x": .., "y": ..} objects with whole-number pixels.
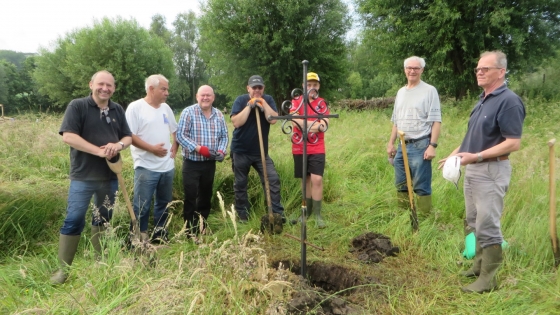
[{"x": 153, "y": 127}]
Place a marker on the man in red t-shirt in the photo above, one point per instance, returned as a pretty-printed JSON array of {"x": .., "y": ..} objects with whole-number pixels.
[{"x": 315, "y": 146}]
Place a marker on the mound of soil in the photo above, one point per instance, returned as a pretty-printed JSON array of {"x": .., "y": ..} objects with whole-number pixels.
[{"x": 373, "y": 247}]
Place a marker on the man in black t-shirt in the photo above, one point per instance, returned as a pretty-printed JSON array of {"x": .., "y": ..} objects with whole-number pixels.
[
  {"x": 95, "y": 128},
  {"x": 245, "y": 148}
]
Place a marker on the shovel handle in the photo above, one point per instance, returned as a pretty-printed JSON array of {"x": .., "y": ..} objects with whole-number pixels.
[
  {"x": 413, "y": 215},
  {"x": 552, "y": 202}
]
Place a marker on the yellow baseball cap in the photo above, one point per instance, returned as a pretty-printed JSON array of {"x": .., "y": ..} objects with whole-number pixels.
[{"x": 312, "y": 76}]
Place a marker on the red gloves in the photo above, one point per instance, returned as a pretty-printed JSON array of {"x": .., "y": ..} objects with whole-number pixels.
[{"x": 204, "y": 151}]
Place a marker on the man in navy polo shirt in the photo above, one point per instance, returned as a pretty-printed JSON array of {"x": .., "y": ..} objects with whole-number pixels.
[{"x": 494, "y": 131}]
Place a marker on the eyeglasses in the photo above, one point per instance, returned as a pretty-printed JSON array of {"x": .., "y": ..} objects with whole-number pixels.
[
  {"x": 257, "y": 87},
  {"x": 484, "y": 69},
  {"x": 413, "y": 68},
  {"x": 105, "y": 114}
]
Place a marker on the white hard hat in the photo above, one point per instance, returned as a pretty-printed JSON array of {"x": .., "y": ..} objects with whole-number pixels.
[{"x": 452, "y": 169}]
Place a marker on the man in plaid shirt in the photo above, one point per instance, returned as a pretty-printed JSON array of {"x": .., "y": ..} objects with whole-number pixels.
[{"x": 203, "y": 136}]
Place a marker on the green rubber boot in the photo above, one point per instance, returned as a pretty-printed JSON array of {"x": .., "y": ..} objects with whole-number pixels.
[
  {"x": 491, "y": 261},
  {"x": 474, "y": 271},
  {"x": 424, "y": 206},
  {"x": 317, "y": 212},
  {"x": 67, "y": 246},
  {"x": 402, "y": 200},
  {"x": 309, "y": 205},
  {"x": 97, "y": 232}
]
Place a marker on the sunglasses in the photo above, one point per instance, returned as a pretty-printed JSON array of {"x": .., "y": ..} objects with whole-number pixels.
[
  {"x": 257, "y": 87},
  {"x": 105, "y": 114}
]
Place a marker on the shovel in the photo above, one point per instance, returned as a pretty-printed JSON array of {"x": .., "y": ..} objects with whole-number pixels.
[
  {"x": 413, "y": 215},
  {"x": 552, "y": 202},
  {"x": 272, "y": 222},
  {"x": 115, "y": 164}
]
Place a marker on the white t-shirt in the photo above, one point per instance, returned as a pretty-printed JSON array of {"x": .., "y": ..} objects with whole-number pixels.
[
  {"x": 416, "y": 109},
  {"x": 153, "y": 125}
]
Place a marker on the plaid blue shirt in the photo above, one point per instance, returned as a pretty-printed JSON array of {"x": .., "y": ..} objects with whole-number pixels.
[{"x": 195, "y": 129}]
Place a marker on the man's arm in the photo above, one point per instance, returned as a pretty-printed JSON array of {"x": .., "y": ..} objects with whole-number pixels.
[
  {"x": 503, "y": 148},
  {"x": 430, "y": 152},
  {"x": 240, "y": 118},
  {"x": 156, "y": 149},
  {"x": 78, "y": 143},
  {"x": 391, "y": 151},
  {"x": 183, "y": 132},
  {"x": 174, "y": 146},
  {"x": 268, "y": 111}
]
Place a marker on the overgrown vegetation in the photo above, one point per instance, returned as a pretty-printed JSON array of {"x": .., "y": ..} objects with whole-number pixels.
[{"x": 229, "y": 272}]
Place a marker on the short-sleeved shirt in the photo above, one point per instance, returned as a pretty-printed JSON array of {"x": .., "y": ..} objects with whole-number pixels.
[
  {"x": 416, "y": 110},
  {"x": 497, "y": 116},
  {"x": 245, "y": 139},
  {"x": 152, "y": 125},
  {"x": 316, "y": 140},
  {"x": 83, "y": 117}
]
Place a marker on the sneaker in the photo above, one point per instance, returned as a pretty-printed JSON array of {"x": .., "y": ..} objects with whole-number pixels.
[{"x": 160, "y": 236}]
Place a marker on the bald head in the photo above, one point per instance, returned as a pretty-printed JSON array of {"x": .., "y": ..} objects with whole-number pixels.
[{"x": 205, "y": 97}]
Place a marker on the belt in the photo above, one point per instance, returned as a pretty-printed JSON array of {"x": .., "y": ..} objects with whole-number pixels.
[
  {"x": 495, "y": 159},
  {"x": 414, "y": 140}
]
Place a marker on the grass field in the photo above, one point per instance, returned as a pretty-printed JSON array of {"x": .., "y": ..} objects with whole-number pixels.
[{"x": 229, "y": 273}]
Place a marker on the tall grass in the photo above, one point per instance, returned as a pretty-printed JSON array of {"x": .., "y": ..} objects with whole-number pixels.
[{"x": 228, "y": 273}]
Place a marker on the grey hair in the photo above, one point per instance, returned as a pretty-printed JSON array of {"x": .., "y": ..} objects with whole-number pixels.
[
  {"x": 501, "y": 59},
  {"x": 415, "y": 58},
  {"x": 154, "y": 80}
]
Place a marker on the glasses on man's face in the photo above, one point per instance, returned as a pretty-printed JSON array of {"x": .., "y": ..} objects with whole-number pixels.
[
  {"x": 105, "y": 114},
  {"x": 257, "y": 87},
  {"x": 413, "y": 68},
  {"x": 484, "y": 69}
]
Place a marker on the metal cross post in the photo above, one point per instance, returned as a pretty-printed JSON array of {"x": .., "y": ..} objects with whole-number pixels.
[{"x": 306, "y": 136}]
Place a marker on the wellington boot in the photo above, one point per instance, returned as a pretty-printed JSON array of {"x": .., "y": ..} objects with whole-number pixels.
[
  {"x": 402, "y": 200},
  {"x": 309, "y": 205},
  {"x": 317, "y": 204},
  {"x": 424, "y": 205},
  {"x": 474, "y": 271},
  {"x": 491, "y": 261},
  {"x": 97, "y": 232},
  {"x": 67, "y": 246}
]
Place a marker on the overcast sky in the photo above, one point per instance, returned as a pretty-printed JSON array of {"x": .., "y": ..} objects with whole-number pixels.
[{"x": 27, "y": 24}]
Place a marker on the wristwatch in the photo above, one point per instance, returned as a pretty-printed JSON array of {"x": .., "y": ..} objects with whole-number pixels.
[
  {"x": 433, "y": 144},
  {"x": 122, "y": 145},
  {"x": 479, "y": 157}
]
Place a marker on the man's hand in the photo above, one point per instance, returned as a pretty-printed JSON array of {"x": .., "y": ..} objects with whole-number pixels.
[
  {"x": 430, "y": 153},
  {"x": 256, "y": 101},
  {"x": 204, "y": 152},
  {"x": 391, "y": 151},
  {"x": 159, "y": 150},
  {"x": 217, "y": 155}
]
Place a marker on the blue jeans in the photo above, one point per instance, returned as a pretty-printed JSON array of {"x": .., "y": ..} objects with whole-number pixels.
[
  {"x": 79, "y": 196},
  {"x": 241, "y": 165},
  {"x": 420, "y": 169},
  {"x": 147, "y": 184}
]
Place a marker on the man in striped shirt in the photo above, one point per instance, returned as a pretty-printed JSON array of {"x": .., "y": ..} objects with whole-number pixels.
[{"x": 203, "y": 136}]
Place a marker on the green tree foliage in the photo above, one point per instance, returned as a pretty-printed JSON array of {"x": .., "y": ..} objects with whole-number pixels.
[
  {"x": 188, "y": 64},
  {"x": 158, "y": 28},
  {"x": 3, "y": 85},
  {"x": 17, "y": 58},
  {"x": 241, "y": 38},
  {"x": 120, "y": 46},
  {"x": 451, "y": 34}
]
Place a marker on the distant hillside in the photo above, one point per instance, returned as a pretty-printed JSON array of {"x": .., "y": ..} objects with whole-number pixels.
[{"x": 14, "y": 57}]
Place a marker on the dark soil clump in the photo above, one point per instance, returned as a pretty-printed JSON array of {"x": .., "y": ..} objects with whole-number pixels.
[{"x": 373, "y": 247}]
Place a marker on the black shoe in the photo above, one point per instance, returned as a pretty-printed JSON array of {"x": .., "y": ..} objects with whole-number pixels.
[{"x": 160, "y": 236}]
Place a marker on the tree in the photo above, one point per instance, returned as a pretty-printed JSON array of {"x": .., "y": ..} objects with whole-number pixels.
[
  {"x": 120, "y": 46},
  {"x": 451, "y": 34},
  {"x": 241, "y": 38},
  {"x": 189, "y": 65},
  {"x": 4, "y": 93}
]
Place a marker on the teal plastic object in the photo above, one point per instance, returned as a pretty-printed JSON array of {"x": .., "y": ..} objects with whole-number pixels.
[{"x": 470, "y": 246}]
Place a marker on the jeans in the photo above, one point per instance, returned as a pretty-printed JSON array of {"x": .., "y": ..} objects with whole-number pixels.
[
  {"x": 79, "y": 196},
  {"x": 485, "y": 187},
  {"x": 198, "y": 179},
  {"x": 420, "y": 169},
  {"x": 241, "y": 165},
  {"x": 147, "y": 184}
]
